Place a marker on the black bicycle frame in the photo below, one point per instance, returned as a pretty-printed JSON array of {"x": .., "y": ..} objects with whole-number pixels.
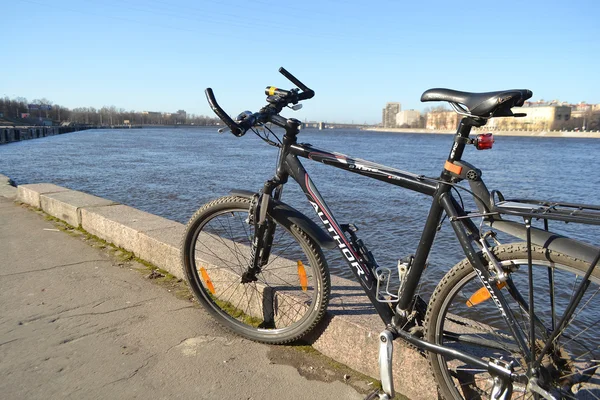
[{"x": 437, "y": 188}]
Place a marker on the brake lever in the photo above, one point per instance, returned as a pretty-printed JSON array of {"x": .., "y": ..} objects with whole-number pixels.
[
  {"x": 242, "y": 116},
  {"x": 238, "y": 120}
]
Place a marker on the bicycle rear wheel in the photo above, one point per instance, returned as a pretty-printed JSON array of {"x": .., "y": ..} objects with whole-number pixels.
[
  {"x": 462, "y": 316},
  {"x": 291, "y": 292}
]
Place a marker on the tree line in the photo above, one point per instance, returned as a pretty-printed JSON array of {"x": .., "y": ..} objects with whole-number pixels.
[{"x": 17, "y": 108}]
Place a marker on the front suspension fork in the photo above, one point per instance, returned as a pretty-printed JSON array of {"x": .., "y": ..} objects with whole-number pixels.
[{"x": 262, "y": 242}]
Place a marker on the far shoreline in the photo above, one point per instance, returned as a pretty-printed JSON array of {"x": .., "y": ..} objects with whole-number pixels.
[{"x": 559, "y": 134}]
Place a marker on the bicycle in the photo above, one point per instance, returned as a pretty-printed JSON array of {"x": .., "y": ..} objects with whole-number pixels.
[{"x": 256, "y": 264}]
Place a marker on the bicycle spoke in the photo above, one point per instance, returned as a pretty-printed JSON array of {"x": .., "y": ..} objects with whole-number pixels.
[
  {"x": 212, "y": 253},
  {"x": 272, "y": 260},
  {"x": 578, "y": 372},
  {"x": 218, "y": 238},
  {"x": 581, "y": 332},
  {"x": 299, "y": 292},
  {"x": 243, "y": 224},
  {"x": 231, "y": 239},
  {"x": 235, "y": 244},
  {"x": 588, "y": 352},
  {"x": 581, "y": 308}
]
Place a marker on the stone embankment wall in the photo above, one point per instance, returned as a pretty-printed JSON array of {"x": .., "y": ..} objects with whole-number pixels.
[
  {"x": 15, "y": 134},
  {"x": 349, "y": 334}
]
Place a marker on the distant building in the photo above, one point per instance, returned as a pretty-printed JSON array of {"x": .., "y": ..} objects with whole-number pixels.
[
  {"x": 583, "y": 110},
  {"x": 538, "y": 118},
  {"x": 446, "y": 120},
  {"x": 580, "y": 110},
  {"x": 408, "y": 118},
  {"x": 389, "y": 114}
]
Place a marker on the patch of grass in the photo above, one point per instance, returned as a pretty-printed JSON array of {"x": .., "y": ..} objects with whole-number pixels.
[{"x": 237, "y": 313}]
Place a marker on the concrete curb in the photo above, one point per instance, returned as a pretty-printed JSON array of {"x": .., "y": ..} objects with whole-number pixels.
[{"x": 349, "y": 334}]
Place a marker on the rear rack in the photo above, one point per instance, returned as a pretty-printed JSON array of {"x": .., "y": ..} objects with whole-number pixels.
[{"x": 549, "y": 210}]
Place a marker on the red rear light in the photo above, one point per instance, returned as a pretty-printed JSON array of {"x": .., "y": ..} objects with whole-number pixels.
[{"x": 484, "y": 141}]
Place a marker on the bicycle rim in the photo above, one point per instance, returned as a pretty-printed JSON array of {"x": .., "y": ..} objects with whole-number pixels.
[{"x": 469, "y": 321}]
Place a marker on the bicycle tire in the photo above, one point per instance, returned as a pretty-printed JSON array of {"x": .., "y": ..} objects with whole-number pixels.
[
  {"x": 480, "y": 330},
  {"x": 291, "y": 294}
]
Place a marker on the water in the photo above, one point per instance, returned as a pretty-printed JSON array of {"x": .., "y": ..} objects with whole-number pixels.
[{"x": 172, "y": 172}]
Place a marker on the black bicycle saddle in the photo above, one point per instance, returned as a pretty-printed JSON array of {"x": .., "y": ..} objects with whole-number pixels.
[{"x": 485, "y": 105}]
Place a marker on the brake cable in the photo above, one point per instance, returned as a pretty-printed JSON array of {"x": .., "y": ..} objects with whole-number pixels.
[{"x": 266, "y": 137}]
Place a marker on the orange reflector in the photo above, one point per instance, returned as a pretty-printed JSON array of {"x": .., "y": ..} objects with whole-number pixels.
[
  {"x": 302, "y": 276},
  {"x": 453, "y": 168},
  {"x": 482, "y": 295},
  {"x": 209, "y": 283}
]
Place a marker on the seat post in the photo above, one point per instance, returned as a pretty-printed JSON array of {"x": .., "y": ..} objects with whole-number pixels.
[{"x": 460, "y": 139}]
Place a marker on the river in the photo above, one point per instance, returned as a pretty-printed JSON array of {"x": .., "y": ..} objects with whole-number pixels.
[{"x": 172, "y": 172}]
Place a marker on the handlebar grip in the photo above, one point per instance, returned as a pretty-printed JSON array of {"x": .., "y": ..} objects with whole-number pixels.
[
  {"x": 307, "y": 92},
  {"x": 235, "y": 128}
]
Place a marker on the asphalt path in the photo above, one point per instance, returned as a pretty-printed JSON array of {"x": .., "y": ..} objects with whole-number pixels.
[{"x": 75, "y": 322}]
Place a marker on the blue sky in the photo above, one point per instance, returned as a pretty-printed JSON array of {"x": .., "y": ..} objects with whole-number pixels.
[{"x": 160, "y": 55}]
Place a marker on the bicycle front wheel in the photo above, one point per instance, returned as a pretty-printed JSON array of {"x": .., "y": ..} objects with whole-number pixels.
[
  {"x": 462, "y": 316},
  {"x": 290, "y": 293}
]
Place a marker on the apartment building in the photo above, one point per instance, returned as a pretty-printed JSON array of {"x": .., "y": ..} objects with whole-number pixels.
[
  {"x": 538, "y": 118},
  {"x": 442, "y": 120},
  {"x": 389, "y": 114},
  {"x": 408, "y": 118}
]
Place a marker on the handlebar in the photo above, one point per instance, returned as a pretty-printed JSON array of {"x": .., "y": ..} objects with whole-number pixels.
[
  {"x": 306, "y": 92},
  {"x": 277, "y": 98},
  {"x": 235, "y": 128}
]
